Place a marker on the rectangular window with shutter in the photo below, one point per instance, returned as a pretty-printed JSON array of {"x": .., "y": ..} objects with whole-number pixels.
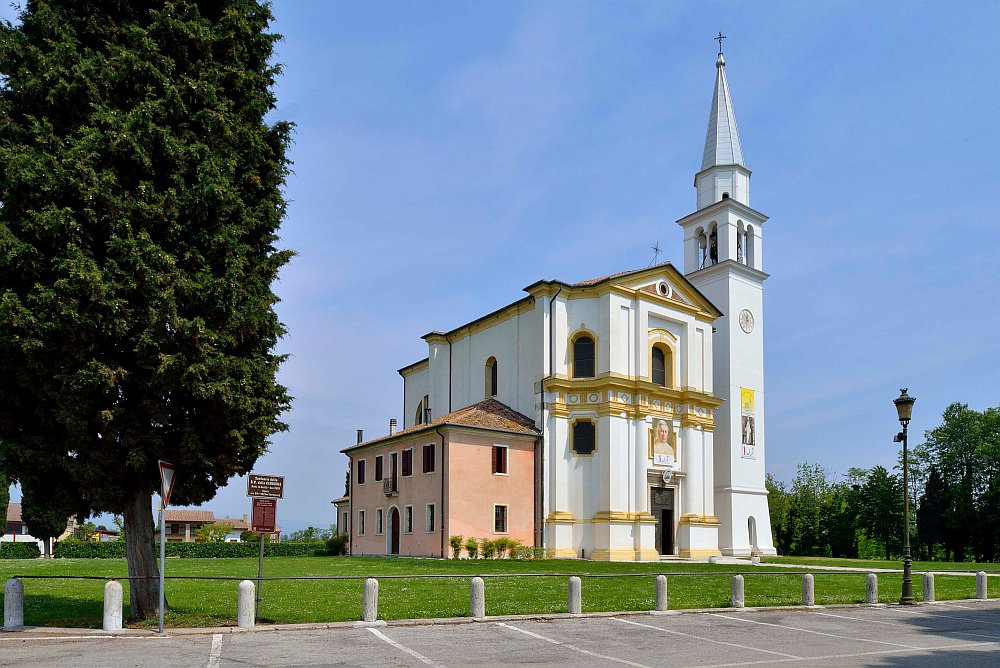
[
  {"x": 407, "y": 519},
  {"x": 361, "y": 523},
  {"x": 429, "y": 458},
  {"x": 500, "y": 459},
  {"x": 408, "y": 462},
  {"x": 361, "y": 471},
  {"x": 429, "y": 519},
  {"x": 378, "y": 468},
  {"x": 378, "y": 521}
]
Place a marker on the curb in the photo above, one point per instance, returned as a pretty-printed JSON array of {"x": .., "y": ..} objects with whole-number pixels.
[{"x": 42, "y": 631}]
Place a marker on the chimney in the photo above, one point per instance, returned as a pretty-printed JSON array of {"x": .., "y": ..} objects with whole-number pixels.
[
  {"x": 361, "y": 435},
  {"x": 392, "y": 426}
]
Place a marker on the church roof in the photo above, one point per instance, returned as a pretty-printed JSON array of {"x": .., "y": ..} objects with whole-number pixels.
[
  {"x": 722, "y": 143},
  {"x": 488, "y": 414}
]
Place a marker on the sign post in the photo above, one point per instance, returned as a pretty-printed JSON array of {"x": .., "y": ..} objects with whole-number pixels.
[
  {"x": 265, "y": 490},
  {"x": 166, "y": 487}
]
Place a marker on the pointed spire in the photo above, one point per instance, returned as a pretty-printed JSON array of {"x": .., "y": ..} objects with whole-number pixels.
[{"x": 722, "y": 143}]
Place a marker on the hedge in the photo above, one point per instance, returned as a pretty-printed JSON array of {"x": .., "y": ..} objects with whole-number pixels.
[
  {"x": 19, "y": 551},
  {"x": 75, "y": 549}
]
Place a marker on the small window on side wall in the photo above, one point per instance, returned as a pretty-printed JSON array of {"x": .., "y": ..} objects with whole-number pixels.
[
  {"x": 500, "y": 459},
  {"x": 583, "y": 357},
  {"x": 584, "y": 438},
  {"x": 491, "y": 377}
]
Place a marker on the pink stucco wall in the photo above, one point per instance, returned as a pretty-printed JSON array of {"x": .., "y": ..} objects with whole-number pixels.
[
  {"x": 474, "y": 490},
  {"x": 471, "y": 491}
]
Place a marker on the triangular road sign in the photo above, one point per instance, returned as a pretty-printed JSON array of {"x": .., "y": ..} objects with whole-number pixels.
[{"x": 166, "y": 482}]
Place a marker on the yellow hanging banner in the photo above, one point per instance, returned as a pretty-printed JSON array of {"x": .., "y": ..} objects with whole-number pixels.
[{"x": 746, "y": 401}]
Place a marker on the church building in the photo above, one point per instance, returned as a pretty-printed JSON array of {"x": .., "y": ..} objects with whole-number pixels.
[{"x": 619, "y": 418}]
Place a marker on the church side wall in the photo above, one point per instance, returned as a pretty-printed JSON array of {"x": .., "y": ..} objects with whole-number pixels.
[{"x": 415, "y": 386}]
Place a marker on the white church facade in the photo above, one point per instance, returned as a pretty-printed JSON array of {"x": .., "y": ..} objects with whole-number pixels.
[{"x": 645, "y": 390}]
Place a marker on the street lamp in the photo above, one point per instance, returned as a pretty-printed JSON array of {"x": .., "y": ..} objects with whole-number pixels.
[{"x": 904, "y": 408}]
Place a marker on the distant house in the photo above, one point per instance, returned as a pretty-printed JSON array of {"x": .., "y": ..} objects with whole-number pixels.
[
  {"x": 343, "y": 506},
  {"x": 182, "y": 525},
  {"x": 16, "y": 531}
]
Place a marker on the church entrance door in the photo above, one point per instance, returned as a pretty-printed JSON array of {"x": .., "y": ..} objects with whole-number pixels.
[
  {"x": 662, "y": 508},
  {"x": 393, "y": 531}
]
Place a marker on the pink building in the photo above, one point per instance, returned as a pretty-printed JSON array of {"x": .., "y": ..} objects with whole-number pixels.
[{"x": 472, "y": 473}]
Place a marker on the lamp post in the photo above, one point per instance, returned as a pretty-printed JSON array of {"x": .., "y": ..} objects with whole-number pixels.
[{"x": 904, "y": 409}]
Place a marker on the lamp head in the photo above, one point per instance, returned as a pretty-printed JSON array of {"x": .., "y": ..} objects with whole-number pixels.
[
  {"x": 904, "y": 406},
  {"x": 898, "y": 438}
]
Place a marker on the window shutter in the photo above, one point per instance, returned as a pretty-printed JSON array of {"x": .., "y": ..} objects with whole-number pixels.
[{"x": 496, "y": 457}]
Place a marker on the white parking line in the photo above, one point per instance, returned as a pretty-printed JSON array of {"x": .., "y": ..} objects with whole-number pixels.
[
  {"x": 976, "y": 646},
  {"x": 919, "y": 613},
  {"x": 818, "y": 633},
  {"x": 215, "y": 655},
  {"x": 572, "y": 647},
  {"x": 415, "y": 654},
  {"x": 718, "y": 642}
]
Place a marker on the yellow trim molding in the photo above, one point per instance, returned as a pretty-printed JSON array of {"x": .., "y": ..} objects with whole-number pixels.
[
  {"x": 698, "y": 554},
  {"x": 622, "y": 517},
  {"x": 562, "y": 553},
  {"x": 699, "y": 520},
  {"x": 560, "y": 517}
]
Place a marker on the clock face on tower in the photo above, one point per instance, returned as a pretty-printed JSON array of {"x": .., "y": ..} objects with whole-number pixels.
[{"x": 746, "y": 321}]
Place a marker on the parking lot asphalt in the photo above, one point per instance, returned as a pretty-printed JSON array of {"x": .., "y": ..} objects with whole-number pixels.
[{"x": 965, "y": 633}]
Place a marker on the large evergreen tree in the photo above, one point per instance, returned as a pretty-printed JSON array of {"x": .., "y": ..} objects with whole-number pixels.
[{"x": 140, "y": 196}]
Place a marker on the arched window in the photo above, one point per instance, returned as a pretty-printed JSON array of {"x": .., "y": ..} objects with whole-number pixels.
[
  {"x": 702, "y": 248},
  {"x": 713, "y": 245},
  {"x": 584, "y": 438},
  {"x": 583, "y": 357},
  {"x": 749, "y": 245},
  {"x": 659, "y": 373},
  {"x": 491, "y": 377},
  {"x": 740, "y": 242},
  {"x": 422, "y": 407}
]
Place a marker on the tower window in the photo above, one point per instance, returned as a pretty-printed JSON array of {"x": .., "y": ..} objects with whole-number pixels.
[
  {"x": 584, "y": 438},
  {"x": 583, "y": 357}
]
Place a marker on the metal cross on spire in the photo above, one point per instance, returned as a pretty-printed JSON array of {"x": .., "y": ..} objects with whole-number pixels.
[
  {"x": 719, "y": 40},
  {"x": 656, "y": 252}
]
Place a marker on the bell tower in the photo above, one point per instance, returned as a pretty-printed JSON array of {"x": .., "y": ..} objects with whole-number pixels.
[{"x": 723, "y": 259}]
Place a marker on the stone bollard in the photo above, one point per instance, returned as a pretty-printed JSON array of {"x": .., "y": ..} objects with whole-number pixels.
[
  {"x": 660, "y": 600},
  {"x": 575, "y": 596},
  {"x": 871, "y": 589},
  {"x": 981, "y": 592},
  {"x": 713, "y": 560},
  {"x": 113, "y": 606},
  {"x": 245, "y": 604},
  {"x": 13, "y": 604},
  {"x": 737, "y": 598},
  {"x": 808, "y": 590},
  {"x": 755, "y": 560},
  {"x": 928, "y": 587},
  {"x": 477, "y": 598},
  {"x": 369, "y": 609}
]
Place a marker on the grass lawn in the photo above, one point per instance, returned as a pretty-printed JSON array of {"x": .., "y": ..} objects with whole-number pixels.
[
  {"x": 78, "y": 603},
  {"x": 879, "y": 563}
]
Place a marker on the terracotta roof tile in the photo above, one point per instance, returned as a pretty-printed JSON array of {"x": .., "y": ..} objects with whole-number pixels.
[
  {"x": 487, "y": 414},
  {"x": 189, "y": 516},
  {"x": 13, "y": 512}
]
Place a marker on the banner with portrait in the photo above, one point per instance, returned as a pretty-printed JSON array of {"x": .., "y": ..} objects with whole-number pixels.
[{"x": 663, "y": 443}]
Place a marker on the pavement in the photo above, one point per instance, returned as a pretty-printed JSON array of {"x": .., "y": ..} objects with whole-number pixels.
[{"x": 954, "y": 633}]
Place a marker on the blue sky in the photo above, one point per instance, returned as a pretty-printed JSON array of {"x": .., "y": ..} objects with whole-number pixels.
[{"x": 449, "y": 154}]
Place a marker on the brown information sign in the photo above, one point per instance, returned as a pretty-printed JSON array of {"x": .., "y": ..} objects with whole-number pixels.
[
  {"x": 266, "y": 486},
  {"x": 264, "y": 512}
]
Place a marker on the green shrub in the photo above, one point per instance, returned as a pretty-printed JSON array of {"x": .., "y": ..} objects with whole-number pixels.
[
  {"x": 489, "y": 548},
  {"x": 456, "y": 546},
  {"x": 335, "y": 546},
  {"x": 72, "y": 548},
  {"x": 19, "y": 550},
  {"x": 76, "y": 549},
  {"x": 502, "y": 545},
  {"x": 472, "y": 547}
]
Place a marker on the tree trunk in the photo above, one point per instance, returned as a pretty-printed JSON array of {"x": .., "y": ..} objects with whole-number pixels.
[{"x": 144, "y": 586}]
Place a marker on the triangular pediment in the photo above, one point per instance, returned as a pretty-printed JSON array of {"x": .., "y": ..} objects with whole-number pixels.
[{"x": 662, "y": 281}]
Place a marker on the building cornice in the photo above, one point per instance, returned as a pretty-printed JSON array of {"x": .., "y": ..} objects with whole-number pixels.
[{"x": 721, "y": 205}]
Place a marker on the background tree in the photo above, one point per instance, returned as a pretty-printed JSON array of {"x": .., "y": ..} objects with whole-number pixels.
[
  {"x": 213, "y": 532},
  {"x": 808, "y": 516},
  {"x": 880, "y": 508},
  {"x": 778, "y": 506},
  {"x": 47, "y": 518},
  {"x": 141, "y": 195},
  {"x": 4, "y": 496}
]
